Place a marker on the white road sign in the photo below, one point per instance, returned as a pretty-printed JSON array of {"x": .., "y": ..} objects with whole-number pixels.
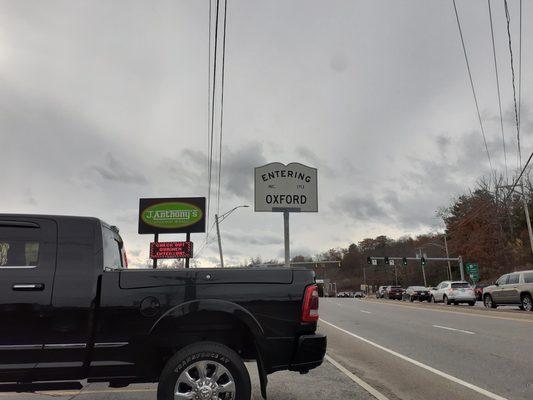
[
  {"x": 374, "y": 262},
  {"x": 291, "y": 187},
  {"x": 391, "y": 262}
]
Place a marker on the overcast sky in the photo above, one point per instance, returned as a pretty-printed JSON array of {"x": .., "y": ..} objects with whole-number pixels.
[{"x": 104, "y": 102}]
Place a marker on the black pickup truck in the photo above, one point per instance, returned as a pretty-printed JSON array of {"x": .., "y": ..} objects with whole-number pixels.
[{"x": 70, "y": 310}]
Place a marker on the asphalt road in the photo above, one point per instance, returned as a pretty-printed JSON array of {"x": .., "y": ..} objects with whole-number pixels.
[
  {"x": 325, "y": 382},
  {"x": 417, "y": 351}
]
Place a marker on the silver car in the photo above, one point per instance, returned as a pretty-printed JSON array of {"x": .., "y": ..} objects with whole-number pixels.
[
  {"x": 514, "y": 288},
  {"x": 453, "y": 292}
]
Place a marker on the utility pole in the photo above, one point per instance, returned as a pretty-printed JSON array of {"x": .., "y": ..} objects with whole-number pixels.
[
  {"x": 528, "y": 221},
  {"x": 461, "y": 268},
  {"x": 423, "y": 268},
  {"x": 218, "y": 220},
  {"x": 363, "y": 270},
  {"x": 219, "y": 242},
  {"x": 448, "y": 256},
  {"x": 526, "y": 210}
]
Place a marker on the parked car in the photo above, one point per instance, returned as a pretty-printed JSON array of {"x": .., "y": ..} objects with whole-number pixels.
[
  {"x": 419, "y": 293},
  {"x": 71, "y": 311},
  {"x": 394, "y": 292},
  {"x": 478, "y": 289},
  {"x": 380, "y": 292},
  {"x": 514, "y": 288},
  {"x": 454, "y": 292},
  {"x": 359, "y": 295}
]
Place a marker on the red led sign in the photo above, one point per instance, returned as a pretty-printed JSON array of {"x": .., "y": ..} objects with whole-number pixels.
[{"x": 171, "y": 250}]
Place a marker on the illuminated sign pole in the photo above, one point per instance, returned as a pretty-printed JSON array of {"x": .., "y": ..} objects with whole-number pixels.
[
  {"x": 286, "y": 188},
  {"x": 171, "y": 215}
]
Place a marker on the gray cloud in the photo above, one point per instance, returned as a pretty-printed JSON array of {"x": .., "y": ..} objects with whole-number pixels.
[
  {"x": 115, "y": 171},
  {"x": 253, "y": 239},
  {"x": 237, "y": 169},
  {"x": 361, "y": 208}
]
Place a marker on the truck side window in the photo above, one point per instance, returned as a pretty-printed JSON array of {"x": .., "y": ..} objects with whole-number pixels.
[
  {"x": 112, "y": 249},
  {"x": 19, "y": 247}
]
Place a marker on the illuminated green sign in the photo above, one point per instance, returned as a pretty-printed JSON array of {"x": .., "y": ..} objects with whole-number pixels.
[{"x": 172, "y": 215}]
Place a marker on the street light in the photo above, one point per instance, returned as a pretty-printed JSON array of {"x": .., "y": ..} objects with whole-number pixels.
[
  {"x": 218, "y": 220},
  {"x": 445, "y": 247}
]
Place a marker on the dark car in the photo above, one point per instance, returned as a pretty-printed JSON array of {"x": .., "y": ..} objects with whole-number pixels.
[
  {"x": 478, "y": 290},
  {"x": 70, "y": 311},
  {"x": 394, "y": 292},
  {"x": 419, "y": 293}
]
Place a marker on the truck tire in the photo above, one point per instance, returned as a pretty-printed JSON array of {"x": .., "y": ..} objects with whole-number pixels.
[{"x": 207, "y": 369}]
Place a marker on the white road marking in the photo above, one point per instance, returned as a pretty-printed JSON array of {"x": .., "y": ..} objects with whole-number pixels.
[
  {"x": 470, "y": 314},
  {"x": 453, "y": 329},
  {"x": 339, "y": 304},
  {"x": 442, "y": 374},
  {"x": 366, "y": 312},
  {"x": 356, "y": 379}
]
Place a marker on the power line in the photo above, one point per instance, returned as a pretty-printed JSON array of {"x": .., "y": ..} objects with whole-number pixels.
[
  {"x": 212, "y": 117},
  {"x": 498, "y": 88},
  {"x": 520, "y": 70},
  {"x": 508, "y": 18},
  {"x": 222, "y": 104},
  {"x": 473, "y": 89},
  {"x": 209, "y": 90}
]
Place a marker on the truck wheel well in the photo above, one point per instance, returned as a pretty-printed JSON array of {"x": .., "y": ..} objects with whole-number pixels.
[{"x": 213, "y": 326}]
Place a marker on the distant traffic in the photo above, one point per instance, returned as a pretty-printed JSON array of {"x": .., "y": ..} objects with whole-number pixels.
[{"x": 510, "y": 289}]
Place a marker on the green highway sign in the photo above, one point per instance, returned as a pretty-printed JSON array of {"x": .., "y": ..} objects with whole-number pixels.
[{"x": 472, "y": 270}]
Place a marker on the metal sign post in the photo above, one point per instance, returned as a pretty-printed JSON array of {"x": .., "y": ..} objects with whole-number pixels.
[{"x": 287, "y": 238}]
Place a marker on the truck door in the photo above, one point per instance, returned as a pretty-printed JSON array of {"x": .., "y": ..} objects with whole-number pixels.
[{"x": 27, "y": 265}]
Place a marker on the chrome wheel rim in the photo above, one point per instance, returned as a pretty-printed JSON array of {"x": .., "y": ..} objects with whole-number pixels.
[
  {"x": 526, "y": 303},
  {"x": 488, "y": 302},
  {"x": 205, "y": 380}
]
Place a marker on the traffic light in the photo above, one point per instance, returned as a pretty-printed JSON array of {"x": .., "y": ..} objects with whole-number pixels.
[
  {"x": 423, "y": 261},
  {"x": 369, "y": 260},
  {"x": 404, "y": 262},
  {"x": 386, "y": 260}
]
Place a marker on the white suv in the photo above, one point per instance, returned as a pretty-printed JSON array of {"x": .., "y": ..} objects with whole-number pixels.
[{"x": 454, "y": 292}]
